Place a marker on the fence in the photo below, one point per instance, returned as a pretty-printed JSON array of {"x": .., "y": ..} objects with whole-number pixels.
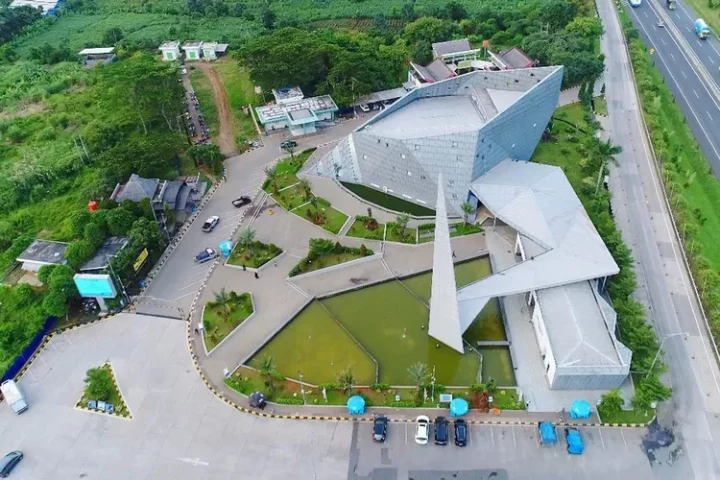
[{"x": 29, "y": 351}]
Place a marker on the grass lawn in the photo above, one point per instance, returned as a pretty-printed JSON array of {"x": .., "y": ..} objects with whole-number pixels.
[
  {"x": 427, "y": 232},
  {"x": 393, "y": 235},
  {"x": 290, "y": 198},
  {"x": 286, "y": 171},
  {"x": 115, "y": 398},
  {"x": 217, "y": 327},
  {"x": 359, "y": 229},
  {"x": 601, "y": 105},
  {"x": 575, "y": 114},
  {"x": 240, "y": 93},
  {"x": 627, "y": 416},
  {"x": 333, "y": 220},
  {"x": 254, "y": 256},
  {"x": 507, "y": 399},
  {"x": 388, "y": 201},
  {"x": 324, "y": 261},
  {"x": 206, "y": 97}
]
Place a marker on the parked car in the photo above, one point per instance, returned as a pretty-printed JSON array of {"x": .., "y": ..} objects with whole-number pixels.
[
  {"x": 442, "y": 431},
  {"x": 423, "y": 430},
  {"x": 206, "y": 255},
  {"x": 380, "y": 423},
  {"x": 461, "y": 432},
  {"x": 575, "y": 445},
  {"x": 210, "y": 223},
  {"x": 9, "y": 462},
  {"x": 242, "y": 201},
  {"x": 288, "y": 144}
]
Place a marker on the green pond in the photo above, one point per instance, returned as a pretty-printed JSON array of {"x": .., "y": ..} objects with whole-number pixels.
[{"x": 390, "y": 321}]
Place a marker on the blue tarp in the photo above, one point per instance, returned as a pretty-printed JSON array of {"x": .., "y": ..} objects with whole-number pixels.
[
  {"x": 580, "y": 409},
  {"x": 29, "y": 351},
  {"x": 575, "y": 442},
  {"x": 225, "y": 247},
  {"x": 458, "y": 407},
  {"x": 548, "y": 435},
  {"x": 356, "y": 405}
]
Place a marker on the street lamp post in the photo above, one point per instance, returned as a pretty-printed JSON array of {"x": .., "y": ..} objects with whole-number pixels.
[{"x": 660, "y": 348}]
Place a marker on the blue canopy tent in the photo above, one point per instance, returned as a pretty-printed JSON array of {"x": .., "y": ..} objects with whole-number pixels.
[
  {"x": 226, "y": 247},
  {"x": 580, "y": 409},
  {"x": 458, "y": 407},
  {"x": 356, "y": 405}
]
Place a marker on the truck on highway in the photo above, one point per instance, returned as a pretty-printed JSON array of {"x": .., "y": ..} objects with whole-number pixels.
[
  {"x": 206, "y": 255},
  {"x": 701, "y": 28},
  {"x": 13, "y": 396},
  {"x": 670, "y": 4}
]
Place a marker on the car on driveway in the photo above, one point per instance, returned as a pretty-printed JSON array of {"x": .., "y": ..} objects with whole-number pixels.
[
  {"x": 8, "y": 462},
  {"x": 380, "y": 423},
  {"x": 206, "y": 255},
  {"x": 422, "y": 432},
  {"x": 461, "y": 432},
  {"x": 242, "y": 201},
  {"x": 210, "y": 223},
  {"x": 442, "y": 431},
  {"x": 288, "y": 144}
]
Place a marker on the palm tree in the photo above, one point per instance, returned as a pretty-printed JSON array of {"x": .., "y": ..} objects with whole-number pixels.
[
  {"x": 271, "y": 173},
  {"x": 304, "y": 184},
  {"x": 346, "y": 379},
  {"x": 605, "y": 152},
  {"x": 418, "y": 373},
  {"x": 246, "y": 237},
  {"x": 401, "y": 220},
  {"x": 223, "y": 302},
  {"x": 291, "y": 150},
  {"x": 467, "y": 209},
  {"x": 267, "y": 370}
]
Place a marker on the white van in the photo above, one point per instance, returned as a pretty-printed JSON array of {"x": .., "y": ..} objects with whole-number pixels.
[{"x": 13, "y": 396}]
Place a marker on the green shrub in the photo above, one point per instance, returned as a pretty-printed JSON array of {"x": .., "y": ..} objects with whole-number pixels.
[
  {"x": 99, "y": 384},
  {"x": 404, "y": 404},
  {"x": 289, "y": 401},
  {"x": 383, "y": 387},
  {"x": 330, "y": 386}
]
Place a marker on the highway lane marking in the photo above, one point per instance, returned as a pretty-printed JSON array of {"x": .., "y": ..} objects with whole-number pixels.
[
  {"x": 698, "y": 96},
  {"x": 711, "y": 60},
  {"x": 687, "y": 28},
  {"x": 708, "y": 113},
  {"x": 601, "y": 438},
  {"x": 646, "y": 15},
  {"x": 673, "y": 57},
  {"x": 713, "y": 47},
  {"x": 683, "y": 74},
  {"x": 698, "y": 42},
  {"x": 663, "y": 40},
  {"x": 190, "y": 285},
  {"x": 183, "y": 296},
  {"x": 623, "y": 437}
]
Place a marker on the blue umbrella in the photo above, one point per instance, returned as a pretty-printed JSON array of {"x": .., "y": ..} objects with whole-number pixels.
[
  {"x": 580, "y": 409},
  {"x": 356, "y": 405},
  {"x": 226, "y": 247},
  {"x": 458, "y": 407}
]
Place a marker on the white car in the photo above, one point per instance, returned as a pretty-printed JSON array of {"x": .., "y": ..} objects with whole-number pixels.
[
  {"x": 210, "y": 223},
  {"x": 423, "y": 430}
]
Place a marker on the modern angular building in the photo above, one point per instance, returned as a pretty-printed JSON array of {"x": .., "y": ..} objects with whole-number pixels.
[{"x": 460, "y": 127}]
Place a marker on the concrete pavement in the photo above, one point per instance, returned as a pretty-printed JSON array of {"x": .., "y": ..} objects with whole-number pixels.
[{"x": 641, "y": 214}]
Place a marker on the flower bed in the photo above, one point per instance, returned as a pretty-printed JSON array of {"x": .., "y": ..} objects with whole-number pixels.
[
  {"x": 223, "y": 315},
  {"x": 324, "y": 253},
  {"x": 427, "y": 231},
  {"x": 366, "y": 227},
  {"x": 102, "y": 392},
  {"x": 393, "y": 234},
  {"x": 254, "y": 255}
]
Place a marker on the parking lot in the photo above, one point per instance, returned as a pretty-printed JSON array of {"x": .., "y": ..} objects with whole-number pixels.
[{"x": 180, "y": 430}]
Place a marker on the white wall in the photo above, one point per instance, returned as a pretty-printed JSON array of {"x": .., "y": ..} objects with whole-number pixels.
[
  {"x": 540, "y": 329},
  {"x": 326, "y": 116},
  {"x": 519, "y": 247}
]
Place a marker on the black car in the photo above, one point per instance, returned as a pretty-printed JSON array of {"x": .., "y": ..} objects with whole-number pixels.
[
  {"x": 9, "y": 462},
  {"x": 380, "y": 423},
  {"x": 288, "y": 144},
  {"x": 442, "y": 433},
  {"x": 242, "y": 201},
  {"x": 461, "y": 432}
]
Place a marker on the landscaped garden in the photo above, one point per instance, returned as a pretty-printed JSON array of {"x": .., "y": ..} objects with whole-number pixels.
[
  {"x": 323, "y": 253},
  {"x": 389, "y": 321},
  {"x": 223, "y": 315},
  {"x": 251, "y": 253},
  {"x": 101, "y": 386},
  {"x": 367, "y": 227},
  {"x": 398, "y": 230},
  {"x": 426, "y": 231},
  {"x": 284, "y": 173},
  {"x": 390, "y": 202}
]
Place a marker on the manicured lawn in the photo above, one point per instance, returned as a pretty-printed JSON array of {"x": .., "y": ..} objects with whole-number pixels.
[
  {"x": 627, "y": 416},
  {"x": 255, "y": 256},
  {"x": 393, "y": 235},
  {"x": 507, "y": 399},
  {"x": 291, "y": 197},
  {"x": 324, "y": 261},
  {"x": 206, "y": 98},
  {"x": 240, "y": 93},
  {"x": 115, "y": 398},
  {"x": 388, "y": 201},
  {"x": 601, "y": 105},
  {"x": 332, "y": 219},
  {"x": 359, "y": 229},
  {"x": 286, "y": 171},
  {"x": 217, "y": 327},
  {"x": 427, "y": 231}
]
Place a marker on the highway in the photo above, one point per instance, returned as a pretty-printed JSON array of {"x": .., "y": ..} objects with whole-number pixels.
[
  {"x": 693, "y": 413},
  {"x": 690, "y": 67}
]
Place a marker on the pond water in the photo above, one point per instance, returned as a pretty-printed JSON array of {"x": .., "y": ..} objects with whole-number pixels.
[{"x": 390, "y": 321}]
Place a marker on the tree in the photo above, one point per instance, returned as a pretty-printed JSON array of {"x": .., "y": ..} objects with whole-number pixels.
[
  {"x": 246, "y": 238},
  {"x": 146, "y": 234},
  {"x": 611, "y": 402},
  {"x": 207, "y": 155},
  {"x": 289, "y": 148},
  {"x": 346, "y": 379},
  {"x": 271, "y": 174},
  {"x": 78, "y": 252},
  {"x": 112, "y": 36},
  {"x": 147, "y": 209},
  {"x": 99, "y": 384},
  {"x": 588, "y": 27},
  {"x": 557, "y": 13},
  {"x": 120, "y": 220},
  {"x": 306, "y": 187},
  {"x": 418, "y": 373},
  {"x": 44, "y": 273},
  {"x": 169, "y": 215},
  {"x": 267, "y": 370},
  {"x": 93, "y": 235},
  {"x": 268, "y": 18},
  {"x": 425, "y": 31},
  {"x": 456, "y": 11},
  {"x": 605, "y": 152},
  {"x": 239, "y": 9},
  {"x": 77, "y": 220},
  {"x": 223, "y": 302},
  {"x": 61, "y": 291},
  {"x": 402, "y": 220},
  {"x": 467, "y": 209}
]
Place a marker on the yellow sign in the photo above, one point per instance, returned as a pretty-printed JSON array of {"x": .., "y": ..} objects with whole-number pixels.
[{"x": 140, "y": 260}]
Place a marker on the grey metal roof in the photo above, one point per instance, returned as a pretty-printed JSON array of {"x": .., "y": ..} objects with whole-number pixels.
[
  {"x": 438, "y": 70},
  {"x": 109, "y": 248},
  {"x": 97, "y": 51},
  {"x": 270, "y": 113},
  {"x": 423, "y": 72},
  {"x": 516, "y": 58},
  {"x": 576, "y": 327},
  {"x": 452, "y": 46},
  {"x": 44, "y": 251},
  {"x": 381, "y": 96},
  {"x": 170, "y": 194},
  {"x": 136, "y": 189},
  {"x": 221, "y": 47}
]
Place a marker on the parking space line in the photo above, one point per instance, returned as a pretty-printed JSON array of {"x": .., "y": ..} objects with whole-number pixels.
[
  {"x": 190, "y": 285},
  {"x": 183, "y": 296},
  {"x": 406, "y": 429},
  {"x": 602, "y": 440},
  {"x": 492, "y": 435},
  {"x": 514, "y": 438},
  {"x": 623, "y": 437}
]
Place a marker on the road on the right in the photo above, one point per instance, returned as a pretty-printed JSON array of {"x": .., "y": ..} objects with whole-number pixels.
[
  {"x": 692, "y": 416},
  {"x": 690, "y": 66}
]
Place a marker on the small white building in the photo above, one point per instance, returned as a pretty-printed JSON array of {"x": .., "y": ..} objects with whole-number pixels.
[
  {"x": 93, "y": 56},
  {"x": 170, "y": 51},
  {"x": 293, "y": 111},
  {"x": 42, "y": 252},
  {"x": 209, "y": 50},
  {"x": 193, "y": 49}
]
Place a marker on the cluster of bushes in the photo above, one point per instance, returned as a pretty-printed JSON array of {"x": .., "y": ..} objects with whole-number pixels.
[
  {"x": 322, "y": 248},
  {"x": 289, "y": 401},
  {"x": 687, "y": 176},
  {"x": 370, "y": 223}
]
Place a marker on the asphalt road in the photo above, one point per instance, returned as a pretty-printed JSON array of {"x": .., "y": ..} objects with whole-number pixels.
[
  {"x": 692, "y": 91},
  {"x": 664, "y": 287}
]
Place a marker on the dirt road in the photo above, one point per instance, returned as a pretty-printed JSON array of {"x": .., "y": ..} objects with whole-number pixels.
[{"x": 226, "y": 139}]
